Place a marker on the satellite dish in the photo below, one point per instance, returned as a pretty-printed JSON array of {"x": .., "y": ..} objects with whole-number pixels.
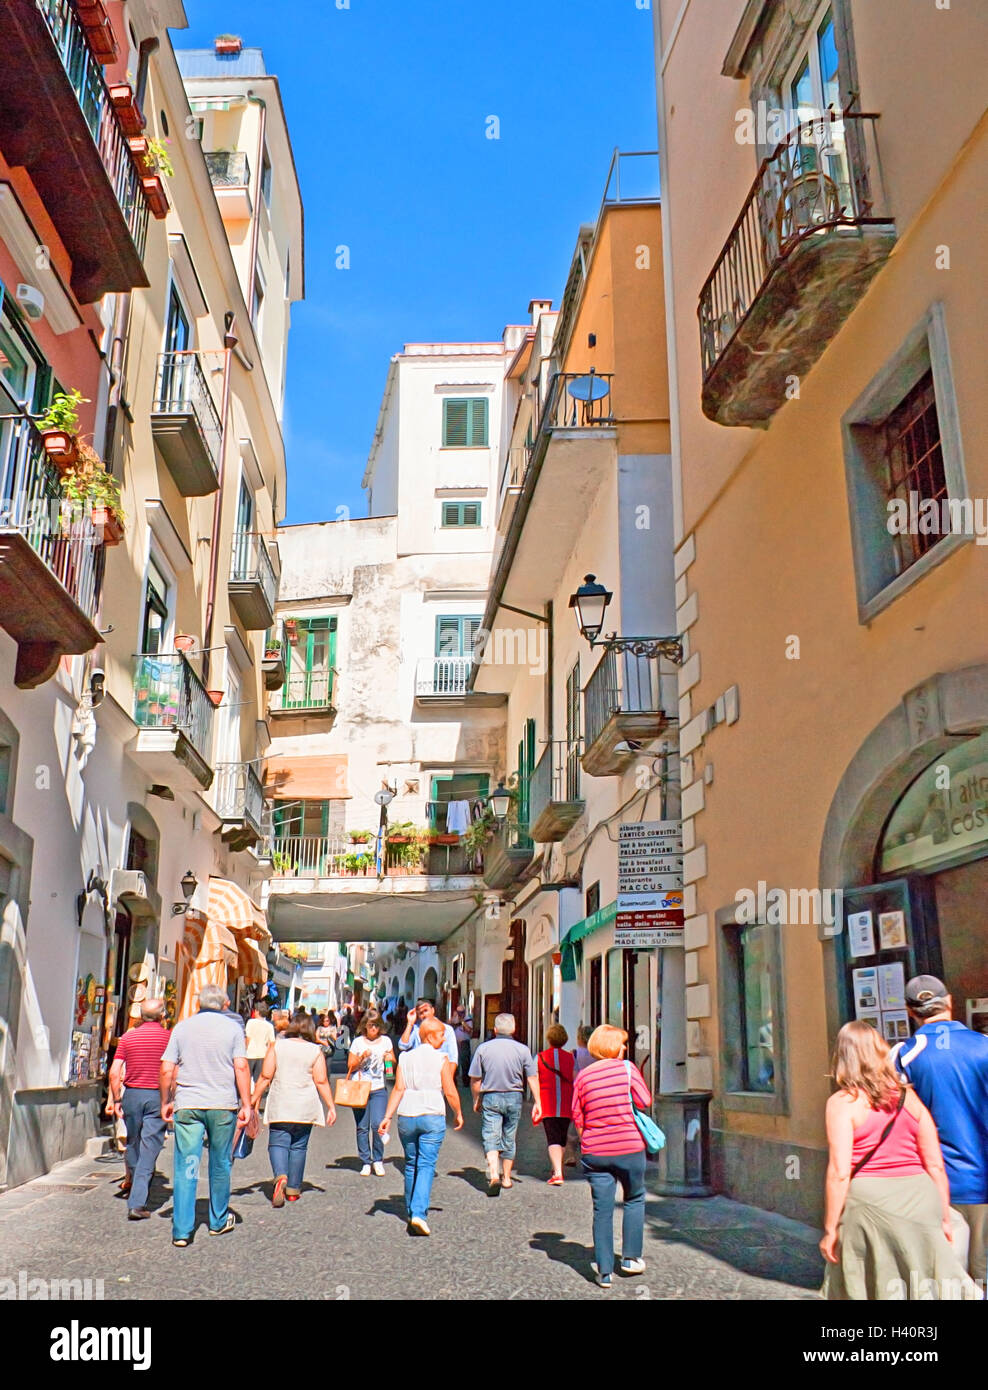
[
  {"x": 588, "y": 388},
  {"x": 383, "y": 798}
]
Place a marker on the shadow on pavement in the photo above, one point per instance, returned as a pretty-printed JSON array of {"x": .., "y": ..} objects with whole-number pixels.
[
  {"x": 755, "y": 1249},
  {"x": 564, "y": 1252},
  {"x": 474, "y": 1177}
]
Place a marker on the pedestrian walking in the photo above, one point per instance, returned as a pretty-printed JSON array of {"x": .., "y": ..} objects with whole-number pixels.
[
  {"x": 947, "y": 1066},
  {"x": 410, "y": 1038},
  {"x": 295, "y": 1070},
  {"x": 612, "y": 1149},
  {"x": 888, "y": 1229},
  {"x": 423, "y": 1086},
  {"x": 369, "y": 1052},
  {"x": 135, "y": 1097},
  {"x": 499, "y": 1072},
  {"x": 347, "y": 1027},
  {"x": 260, "y": 1036},
  {"x": 463, "y": 1032},
  {"x": 204, "y": 1079},
  {"x": 581, "y": 1053},
  {"x": 326, "y": 1038},
  {"x": 556, "y": 1071}
]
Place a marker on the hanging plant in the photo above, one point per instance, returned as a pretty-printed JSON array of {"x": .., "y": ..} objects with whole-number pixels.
[
  {"x": 59, "y": 428},
  {"x": 87, "y": 487}
]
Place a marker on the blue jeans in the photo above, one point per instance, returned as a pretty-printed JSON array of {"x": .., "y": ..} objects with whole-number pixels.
[
  {"x": 287, "y": 1147},
  {"x": 500, "y": 1112},
  {"x": 368, "y": 1120},
  {"x": 604, "y": 1174},
  {"x": 421, "y": 1137},
  {"x": 145, "y": 1136},
  {"x": 191, "y": 1126}
]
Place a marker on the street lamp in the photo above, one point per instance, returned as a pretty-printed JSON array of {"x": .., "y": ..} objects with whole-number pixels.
[
  {"x": 499, "y": 801},
  {"x": 590, "y": 601},
  {"x": 189, "y": 884}
]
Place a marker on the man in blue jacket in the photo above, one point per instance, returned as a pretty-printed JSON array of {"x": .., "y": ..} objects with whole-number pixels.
[{"x": 947, "y": 1064}]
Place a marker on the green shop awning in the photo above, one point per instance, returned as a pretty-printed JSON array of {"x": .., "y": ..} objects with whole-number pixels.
[{"x": 601, "y": 918}]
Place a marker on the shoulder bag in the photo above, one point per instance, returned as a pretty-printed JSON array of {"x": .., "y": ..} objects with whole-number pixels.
[
  {"x": 654, "y": 1139},
  {"x": 884, "y": 1135}
]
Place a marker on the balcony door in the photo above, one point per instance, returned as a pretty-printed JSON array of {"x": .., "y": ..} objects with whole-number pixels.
[
  {"x": 178, "y": 336},
  {"x": 311, "y": 660},
  {"x": 526, "y": 767},
  {"x": 818, "y": 186},
  {"x": 242, "y": 535},
  {"x": 156, "y": 628},
  {"x": 228, "y": 742}
]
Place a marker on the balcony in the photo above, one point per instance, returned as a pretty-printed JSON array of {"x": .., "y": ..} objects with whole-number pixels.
[
  {"x": 622, "y": 702},
  {"x": 51, "y": 561},
  {"x": 174, "y": 716},
  {"x": 273, "y": 664},
  {"x": 442, "y": 677},
  {"x": 555, "y": 804},
  {"x": 328, "y": 856},
  {"x": 813, "y": 232},
  {"x": 253, "y": 582},
  {"x": 57, "y": 121},
  {"x": 186, "y": 424},
  {"x": 508, "y": 856},
  {"x": 513, "y": 477},
  {"x": 306, "y": 692},
  {"x": 229, "y": 173},
  {"x": 238, "y": 798}
]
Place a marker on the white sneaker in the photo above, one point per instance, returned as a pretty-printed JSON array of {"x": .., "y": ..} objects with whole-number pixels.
[
  {"x": 365, "y": 1171},
  {"x": 379, "y": 1170},
  {"x": 417, "y": 1227},
  {"x": 631, "y": 1267}
]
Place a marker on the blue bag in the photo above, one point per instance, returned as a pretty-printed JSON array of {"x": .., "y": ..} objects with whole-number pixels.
[{"x": 655, "y": 1140}]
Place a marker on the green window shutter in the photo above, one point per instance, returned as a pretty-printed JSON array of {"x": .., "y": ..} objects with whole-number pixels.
[
  {"x": 477, "y": 429},
  {"x": 448, "y": 637},
  {"x": 455, "y": 423},
  {"x": 470, "y": 514}
]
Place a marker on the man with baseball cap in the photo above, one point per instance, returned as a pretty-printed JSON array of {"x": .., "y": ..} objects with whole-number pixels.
[{"x": 947, "y": 1064}]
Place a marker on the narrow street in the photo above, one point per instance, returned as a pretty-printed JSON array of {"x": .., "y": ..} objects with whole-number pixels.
[{"x": 346, "y": 1237}]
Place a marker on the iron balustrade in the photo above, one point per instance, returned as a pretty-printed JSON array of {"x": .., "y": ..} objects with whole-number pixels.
[
  {"x": 239, "y": 795},
  {"x": 169, "y": 695},
  {"x": 624, "y": 682},
  {"x": 306, "y": 690},
  {"x": 443, "y": 675},
  {"x": 337, "y": 856},
  {"x": 825, "y": 177},
  {"x": 515, "y": 468},
  {"x": 564, "y": 411},
  {"x": 556, "y": 776},
  {"x": 228, "y": 169},
  {"x": 181, "y": 389},
  {"x": 86, "y": 77},
  {"x": 32, "y": 504},
  {"x": 250, "y": 563}
]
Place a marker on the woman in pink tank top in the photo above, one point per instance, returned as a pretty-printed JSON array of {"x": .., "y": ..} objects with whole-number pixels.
[{"x": 889, "y": 1231}]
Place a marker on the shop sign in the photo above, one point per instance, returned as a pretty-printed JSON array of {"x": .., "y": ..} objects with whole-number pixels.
[
  {"x": 650, "y": 885},
  {"x": 944, "y": 814}
]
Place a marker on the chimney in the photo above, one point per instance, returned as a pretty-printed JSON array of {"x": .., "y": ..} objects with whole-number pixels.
[
  {"x": 228, "y": 45},
  {"x": 538, "y": 307}
]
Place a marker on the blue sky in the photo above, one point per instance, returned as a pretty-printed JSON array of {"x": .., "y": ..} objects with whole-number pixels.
[{"x": 450, "y": 233}]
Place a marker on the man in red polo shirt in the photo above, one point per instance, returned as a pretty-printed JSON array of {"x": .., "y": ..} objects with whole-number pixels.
[{"x": 135, "y": 1072}]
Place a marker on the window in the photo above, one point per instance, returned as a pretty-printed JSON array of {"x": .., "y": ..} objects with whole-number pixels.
[
  {"x": 814, "y": 85},
  {"x": 751, "y": 1008},
  {"x": 177, "y": 333},
  {"x": 266, "y": 177},
  {"x": 573, "y": 734},
  {"x": 461, "y": 513},
  {"x": 455, "y": 636},
  {"x": 455, "y": 786},
  {"x": 154, "y": 630},
  {"x": 464, "y": 422},
  {"x": 23, "y": 368},
  {"x": 754, "y": 985},
  {"x": 257, "y": 303},
  {"x": 311, "y": 663},
  {"x": 905, "y": 472},
  {"x": 614, "y": 1013}
]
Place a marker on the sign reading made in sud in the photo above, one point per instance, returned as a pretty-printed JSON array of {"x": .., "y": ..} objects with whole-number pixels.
[{"x": 650, "y": 884}]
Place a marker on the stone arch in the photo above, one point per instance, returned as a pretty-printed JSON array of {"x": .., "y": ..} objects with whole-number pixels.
[
  {"x": 430, "y": 985},
  {"x": 410, "y": 987},
  {"x": 140, "y": 819}
]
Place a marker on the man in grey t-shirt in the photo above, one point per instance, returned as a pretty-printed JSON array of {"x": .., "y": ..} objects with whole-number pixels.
[
  {"x": 498, "y": 1074},
  {"x": 205, "y": 1089}
]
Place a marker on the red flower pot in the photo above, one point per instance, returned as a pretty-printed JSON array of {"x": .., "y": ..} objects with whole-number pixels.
[
  {"x": 62, "y": 448},
  {"x": 100, "y": 35},
  {"x": 184, "y": 643},
  {"x": 129, "y": 114},
  {"x": 155, "y": 195},
  {"x": 216, "y": 696},
  {"x": 139, "y": 153},
  {"x": 111, "y": 525}
]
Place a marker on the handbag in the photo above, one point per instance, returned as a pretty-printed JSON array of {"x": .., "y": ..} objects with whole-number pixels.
[
  {"x": 243, "y": 1140},
  {"x": 884, "y": 1135},
  {"x": 354, "y": 1094},
  {"x": 654, "y": 1139}
]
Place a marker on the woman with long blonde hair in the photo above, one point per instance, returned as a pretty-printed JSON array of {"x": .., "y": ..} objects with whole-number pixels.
[{"x": 889, "y": 1231}]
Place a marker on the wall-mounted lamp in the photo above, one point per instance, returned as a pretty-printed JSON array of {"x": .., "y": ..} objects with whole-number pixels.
[
  {"x": 189, "y": 884},
  {"x": 591, "y": 600},
  {"x": 499, "y": 801},
  {"x": 97, "y": 685}
]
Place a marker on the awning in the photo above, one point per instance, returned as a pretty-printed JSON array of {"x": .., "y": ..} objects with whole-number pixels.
[
  {"x": 601, "y": 918},
  {"x": 231, "y": 907},
  {"x": 317, "y": 777},
  {"x": 253, "y": 965}
]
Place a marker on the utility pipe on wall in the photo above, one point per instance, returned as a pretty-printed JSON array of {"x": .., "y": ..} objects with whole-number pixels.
[{"x": 229, "y": 344}]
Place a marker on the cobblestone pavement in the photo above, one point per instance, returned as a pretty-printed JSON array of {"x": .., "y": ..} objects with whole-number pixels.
[{"x": 346, "y": 1238}]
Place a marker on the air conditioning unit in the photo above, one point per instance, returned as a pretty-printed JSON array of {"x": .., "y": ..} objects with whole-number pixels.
[
  {"x": 130, "y": 890},
  {"x": 31, "y": 301}
]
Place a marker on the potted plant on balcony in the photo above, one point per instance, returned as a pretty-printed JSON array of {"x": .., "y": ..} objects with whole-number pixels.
[
  {"x": 155, "y": 196},
  {"x": 184, "y": 642},
  {"x": 216, "y": 697},
  {"x": 360, "y": 837},
  {"x": 228, "y": 45},
  {"x": 99, "y": 31},
  {"x": 88, "y": 486},
  {"x": 59, "y": 428},
  {"x": 291, "y": 630},
  {"x": 151, "y": 155},
  {"x": 129, "y": 114},
  {"x": 272, "y": 649}
]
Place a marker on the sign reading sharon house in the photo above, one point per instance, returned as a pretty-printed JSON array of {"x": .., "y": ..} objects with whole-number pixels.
[{"x": 650, "y": 884}]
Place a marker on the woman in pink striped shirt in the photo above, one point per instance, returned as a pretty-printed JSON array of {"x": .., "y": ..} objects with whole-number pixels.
[{"x": 612, "y": 1148}]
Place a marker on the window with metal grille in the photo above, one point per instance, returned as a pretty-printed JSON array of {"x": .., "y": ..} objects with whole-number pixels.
[
  {"x": 464, "y": 422},
  {"x": 914, "y": 463},
  {"x": 461, "y": 514}
]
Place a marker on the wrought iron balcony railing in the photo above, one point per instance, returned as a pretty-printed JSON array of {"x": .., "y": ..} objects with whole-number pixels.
[
  {"x": 169, "y": 695},
  {"x": 578, "y": 400},
  {"x": 306, "y": 690},
  {"x": 228, "y": 168},
  {"x": 250, "y": 563},
  {"x": 89, "y": 85},
  {"x": 31, "y": 503},
  {"x": 181, "y": 389},
  {"x": 556, "y": 777},
  {"x": 239, "y": 794},
  {"x": 623, "y": 683},
  {"x": 824, "y": 179},
  {"x": 442, "y": 675}
]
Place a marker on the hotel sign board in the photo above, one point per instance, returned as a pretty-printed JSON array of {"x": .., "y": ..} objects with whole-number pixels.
[{"x": 650, "y": 885}]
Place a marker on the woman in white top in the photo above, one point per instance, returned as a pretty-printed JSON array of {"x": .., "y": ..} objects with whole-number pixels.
[
  {"x": 370, "y": 1051},
  {"x": 295, "y": 1069},
  {"x": 425, "y": 1082}
]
